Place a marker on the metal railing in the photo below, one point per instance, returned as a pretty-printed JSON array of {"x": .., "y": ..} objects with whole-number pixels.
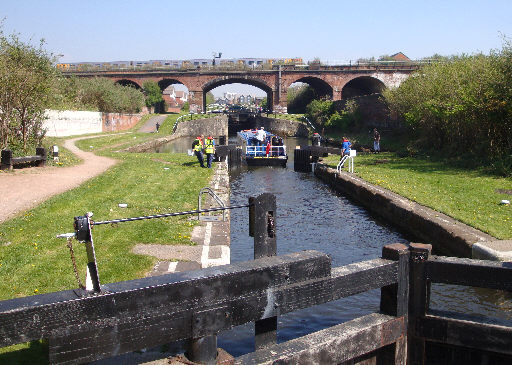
[
  {"x": 344, "y": 158},
  {"x": 261, "y": 151}
]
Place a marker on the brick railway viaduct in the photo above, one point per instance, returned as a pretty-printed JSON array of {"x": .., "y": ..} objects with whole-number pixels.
[{"x": 334, "y": 82}]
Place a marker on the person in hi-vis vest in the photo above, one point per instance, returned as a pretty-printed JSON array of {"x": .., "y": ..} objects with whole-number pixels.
[
  {"x": 197, "y": 146},
  {"x": 209, "y": 149}
]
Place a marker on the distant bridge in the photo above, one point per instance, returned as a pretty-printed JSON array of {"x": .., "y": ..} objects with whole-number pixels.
[{"x": 334, "y": 82}]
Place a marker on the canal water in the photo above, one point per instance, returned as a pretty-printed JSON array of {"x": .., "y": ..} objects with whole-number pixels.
[{"x": 311, "y": 216}]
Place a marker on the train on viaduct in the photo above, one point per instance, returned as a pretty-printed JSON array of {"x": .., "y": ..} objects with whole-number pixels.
[{"x": 274, "y": 78}]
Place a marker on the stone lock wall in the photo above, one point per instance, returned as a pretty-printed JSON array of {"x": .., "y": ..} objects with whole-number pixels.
[
  {"x": 283, "y": 127},
  {"x": 215, "y": 126},
  {"x": 447, "y": 235}
]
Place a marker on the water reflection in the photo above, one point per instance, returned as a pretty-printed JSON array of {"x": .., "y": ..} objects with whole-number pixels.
[{"x": 180, "y": 145}]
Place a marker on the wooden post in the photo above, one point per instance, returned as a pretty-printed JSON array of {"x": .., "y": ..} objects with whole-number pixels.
[
  {"x": 6, "y": 162},
  {"x": 41, "y": 151},
  {"x": 262, "y": 217},
  {"x": 203, "y": 350},
  {"x": 419, "y": 293},
  {"x": 394, "y": 299}
]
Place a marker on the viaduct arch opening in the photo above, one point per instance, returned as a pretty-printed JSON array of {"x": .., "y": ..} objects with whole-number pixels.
[
  {"x": 125, "y": 82},
  {"x": 302, "y": 91},
  {"x": 252, "y": 82},
  {"x": 362, "y": 86},
  {"x": 174, "y": 93},
  {"x": 321, "y": 88}
]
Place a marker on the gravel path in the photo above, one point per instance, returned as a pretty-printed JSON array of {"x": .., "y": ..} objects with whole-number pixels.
[{"x": 26, "y": 188}]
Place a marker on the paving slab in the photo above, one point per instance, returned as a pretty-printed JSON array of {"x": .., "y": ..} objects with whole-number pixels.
[{"x": 493, "y": 250}]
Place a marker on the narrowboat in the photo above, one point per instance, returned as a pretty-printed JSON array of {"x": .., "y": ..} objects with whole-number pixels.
[{"x": 270, "y": 152}]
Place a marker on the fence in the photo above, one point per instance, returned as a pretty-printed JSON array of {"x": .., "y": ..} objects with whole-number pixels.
[{"x": 196, "y": 305}]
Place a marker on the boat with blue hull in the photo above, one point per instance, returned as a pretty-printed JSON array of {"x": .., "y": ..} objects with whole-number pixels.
[{"x": 269, "y": 150}]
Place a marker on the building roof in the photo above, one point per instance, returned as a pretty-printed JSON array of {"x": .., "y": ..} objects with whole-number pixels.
[{"x": 400, "y": 57}]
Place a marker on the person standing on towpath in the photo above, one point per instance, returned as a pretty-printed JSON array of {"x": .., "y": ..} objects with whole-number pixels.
[
  {"x": 197, "y": 146},
  {"x": 376, "y": 141},
  {"x": 210, "y": 150},
  {"x": 345, "y": 147}
]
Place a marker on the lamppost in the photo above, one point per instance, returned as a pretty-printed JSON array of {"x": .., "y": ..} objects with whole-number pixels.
[{"x": 216, "y": 55}]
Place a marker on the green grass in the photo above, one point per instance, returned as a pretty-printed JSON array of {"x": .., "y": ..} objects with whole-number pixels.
[
  {"x": 294, "y": 117},
  {"x": 66, "y": 158},
  {"x": 168, "y": 123},
  {"x": 470, "y": 196},
  {"x": 33, "y": 261},
  {"x": 28, "y": 246}
]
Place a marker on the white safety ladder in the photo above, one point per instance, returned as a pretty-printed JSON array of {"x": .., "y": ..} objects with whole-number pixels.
[{"x": 350, "y": 159}]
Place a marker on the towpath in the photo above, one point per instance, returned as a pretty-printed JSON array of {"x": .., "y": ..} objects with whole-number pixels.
[
  {"x": 27, "y": 188},
  {"x": 150, "y": 125}
]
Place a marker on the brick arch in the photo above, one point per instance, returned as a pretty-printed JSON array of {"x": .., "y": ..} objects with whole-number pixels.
[
  {"x": 260, "y": 84},
  {"x": 362, "y": 85},
  {"x": 129, "y": 82},
  {"x": 165, "y": 82},
  {"x": 321, "y": 86}
]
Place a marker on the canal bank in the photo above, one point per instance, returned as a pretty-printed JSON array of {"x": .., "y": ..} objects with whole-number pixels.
[
  {"x": 211, "y": 238},
  {"x": 447, "y": 235}
]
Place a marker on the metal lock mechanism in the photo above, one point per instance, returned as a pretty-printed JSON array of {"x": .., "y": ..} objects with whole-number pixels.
[{"x": 81, "y": 226}]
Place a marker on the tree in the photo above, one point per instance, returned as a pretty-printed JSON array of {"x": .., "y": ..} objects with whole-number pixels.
[
  {"x": 366, "y": 60},
  {"x": 26, "y": 77},
  {"x": 110, "y": 97},
  {"x": 210, "y": 99},
  {"x": 319, "y": 111},
  {"x": 153, "y": 93},
  {"x": 298, "y": 97},
  {"x": 264, "y": 103},
  {"x": 99, "y": 94},
  {"x": 461, "y": 107},
  {"x": 386, "y": 57}
]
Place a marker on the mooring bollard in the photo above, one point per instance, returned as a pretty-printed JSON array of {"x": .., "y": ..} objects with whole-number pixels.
[
  {"x": 55, "y": 152},
  {"x": 262, "y": 226}
]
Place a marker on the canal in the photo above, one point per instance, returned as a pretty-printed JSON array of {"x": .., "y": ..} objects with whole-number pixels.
[{"x": 310, "y": 215}]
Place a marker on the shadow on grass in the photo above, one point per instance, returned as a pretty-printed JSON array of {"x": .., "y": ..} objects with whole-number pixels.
[
  {"x": 35, "y": 354},
  {"x": 194, "y": 163}
]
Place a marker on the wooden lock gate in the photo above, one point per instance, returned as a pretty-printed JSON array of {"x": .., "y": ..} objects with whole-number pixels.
[{"x": 196, "y": 305}]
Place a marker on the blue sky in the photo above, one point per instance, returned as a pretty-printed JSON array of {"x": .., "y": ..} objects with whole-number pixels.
[{"x": 334, "y": 31}]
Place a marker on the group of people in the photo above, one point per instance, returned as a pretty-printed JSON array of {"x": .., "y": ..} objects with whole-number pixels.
[
  {"x": 346, "y": 144},
  {"x": 208, "y": 146},
  {"x": 259, "y": 137}
]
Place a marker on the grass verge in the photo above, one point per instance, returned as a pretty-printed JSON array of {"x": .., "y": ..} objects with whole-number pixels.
[
  {"x": 33, "y": 261},
  {"x": 468, "y": 195}
]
